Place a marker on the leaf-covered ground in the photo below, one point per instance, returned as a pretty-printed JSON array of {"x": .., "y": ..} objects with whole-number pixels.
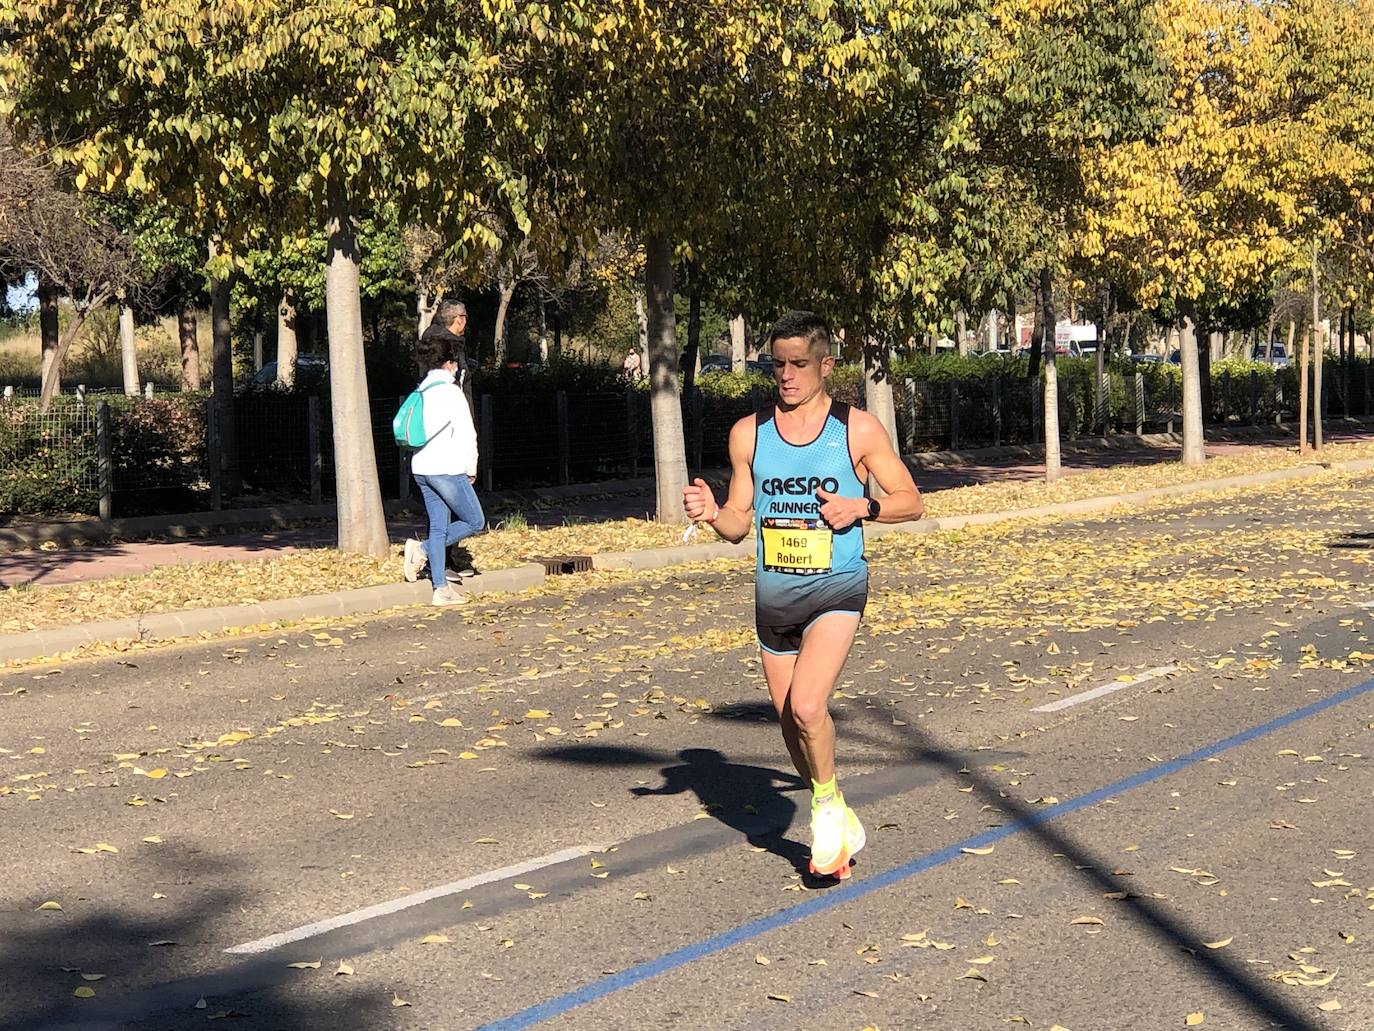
[{"x": 201, "y": 585}]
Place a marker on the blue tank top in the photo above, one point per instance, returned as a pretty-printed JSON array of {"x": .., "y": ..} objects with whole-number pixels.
[{"x": 803, "y": 566}]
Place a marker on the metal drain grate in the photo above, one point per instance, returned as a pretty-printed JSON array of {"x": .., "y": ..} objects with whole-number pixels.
[{"x": 561, "y": 565}]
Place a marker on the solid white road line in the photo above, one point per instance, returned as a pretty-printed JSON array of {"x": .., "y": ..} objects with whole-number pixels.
[
  {"x": 519, "y": 678},
  {"x": 1106, "y": 689},
  {"x": 396, "y": 905}
]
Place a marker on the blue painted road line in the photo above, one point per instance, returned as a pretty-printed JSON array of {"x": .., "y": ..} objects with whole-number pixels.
[{"x": 858, "y": 889}]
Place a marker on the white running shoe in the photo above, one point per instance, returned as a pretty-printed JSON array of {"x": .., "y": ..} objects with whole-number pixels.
[
  {"x": 829, "y": 854},
  {"x": 413, "y": 561},
  {"x": 854, "y": 836},
  {"x": 447, "y": 596}
]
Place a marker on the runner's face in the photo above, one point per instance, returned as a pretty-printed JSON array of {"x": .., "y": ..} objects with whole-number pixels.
[{"x": 799, "y": 373}]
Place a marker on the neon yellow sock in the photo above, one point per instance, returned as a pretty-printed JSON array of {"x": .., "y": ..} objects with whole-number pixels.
[{"x": 823, "y": 793}]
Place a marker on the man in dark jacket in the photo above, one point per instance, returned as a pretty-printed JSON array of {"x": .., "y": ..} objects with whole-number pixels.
[{"x": 451, "y": 324}]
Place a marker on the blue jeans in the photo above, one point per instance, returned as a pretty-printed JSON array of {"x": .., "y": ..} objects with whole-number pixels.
[{"x": 454, "y": 513}]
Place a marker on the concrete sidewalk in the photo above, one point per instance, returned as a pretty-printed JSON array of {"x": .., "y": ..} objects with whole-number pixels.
[{"x": 162, "y": 627}]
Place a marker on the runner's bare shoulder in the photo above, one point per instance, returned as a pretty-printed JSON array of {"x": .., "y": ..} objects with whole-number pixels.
[{"x": 742, "y": 435}]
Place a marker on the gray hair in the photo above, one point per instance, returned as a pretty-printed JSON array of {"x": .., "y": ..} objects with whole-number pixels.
[{"x": 448, "y": 311}]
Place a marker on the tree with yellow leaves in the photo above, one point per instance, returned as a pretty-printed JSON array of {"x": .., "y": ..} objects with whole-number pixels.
[{"x": 1249, "y": 168}]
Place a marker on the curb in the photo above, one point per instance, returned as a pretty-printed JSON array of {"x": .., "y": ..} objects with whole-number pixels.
[{"x": 163, "y": 626}]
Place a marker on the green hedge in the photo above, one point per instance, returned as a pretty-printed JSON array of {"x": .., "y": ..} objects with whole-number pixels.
[{"x": 48, "y": 462}]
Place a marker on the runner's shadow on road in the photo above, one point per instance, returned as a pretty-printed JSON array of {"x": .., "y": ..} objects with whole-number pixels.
[{"x": 752, "y": 800}]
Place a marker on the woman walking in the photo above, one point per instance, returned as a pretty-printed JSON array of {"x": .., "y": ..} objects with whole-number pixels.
[{"x": 445, "y": 468}]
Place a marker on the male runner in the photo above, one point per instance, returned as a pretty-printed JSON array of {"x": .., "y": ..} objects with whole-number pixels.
[{"x": 798, "y": 470}]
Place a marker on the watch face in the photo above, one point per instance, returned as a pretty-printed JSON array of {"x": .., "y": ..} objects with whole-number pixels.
[{"x": 873, "y": 508}]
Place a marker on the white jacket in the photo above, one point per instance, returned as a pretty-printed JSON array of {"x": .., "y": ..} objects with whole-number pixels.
[{"x": 452, "y": 447}]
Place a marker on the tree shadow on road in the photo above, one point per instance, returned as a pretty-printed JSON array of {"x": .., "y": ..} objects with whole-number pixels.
[
  {"x": 751, "y": 800},
  {"x": 148, "y": 972},
  {"x": 1100, "y": 873}
]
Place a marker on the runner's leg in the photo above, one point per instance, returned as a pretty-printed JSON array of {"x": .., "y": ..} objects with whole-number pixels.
[
  {"x": 825, "y": 647},
  {"x": 777, "y": 670}
]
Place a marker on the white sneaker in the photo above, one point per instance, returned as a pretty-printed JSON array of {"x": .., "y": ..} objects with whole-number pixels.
[
  {"x": 854, "y": 836},
  {"x": 413, "y": 561},
  {"x": 447, "y": 596},
  {"x": 829, "y": 854}
]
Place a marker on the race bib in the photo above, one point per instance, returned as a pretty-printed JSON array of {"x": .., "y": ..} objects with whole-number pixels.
[{"x": 800, "y": 546}]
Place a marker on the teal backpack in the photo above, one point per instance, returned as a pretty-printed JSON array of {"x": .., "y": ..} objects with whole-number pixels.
[{"x": 409, "y": 425}]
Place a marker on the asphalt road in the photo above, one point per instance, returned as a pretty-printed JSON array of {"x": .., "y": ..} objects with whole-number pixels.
[{"x": 1115, "y": 774}]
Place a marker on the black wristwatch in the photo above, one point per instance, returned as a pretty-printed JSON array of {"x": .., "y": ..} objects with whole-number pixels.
[{"x": 873, "y": 508}]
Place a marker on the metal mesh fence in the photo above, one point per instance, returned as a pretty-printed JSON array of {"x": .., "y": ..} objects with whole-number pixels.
[
  {"x": 158, "y": 453},
  {"x": 159, "y": 447},
  {"x": 48, "y": 461}
]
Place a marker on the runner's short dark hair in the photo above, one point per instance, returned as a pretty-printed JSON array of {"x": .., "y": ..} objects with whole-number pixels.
[
  {"x": 805, "y": 324},
  {"x": 434, "y": 350}
]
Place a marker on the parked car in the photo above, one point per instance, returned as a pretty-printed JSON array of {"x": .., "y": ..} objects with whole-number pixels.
[
  {"x": 763, "y": 363},
  {"x": 1175, "y": 358},
  {"x": 1071, "y": 351},
  {"x": 1278, "y": 355},
  {"x": 1146, "y": 359},
  {"x": 996, "y": 352},
  {"x": 714, "y": 363},
  {"x": 312, "y": 372}
]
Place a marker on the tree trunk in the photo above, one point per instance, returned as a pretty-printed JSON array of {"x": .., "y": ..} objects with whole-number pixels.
[
  {"x": 1102, "y": 395},
  {"x": 557, "y": 333},
  {"x": 1054, "y": 467},
  {"x": 961, "y": 333},
  {"x": 222, "y": 379},
  {"x": 427, "y": 305},
  {"x": 64, "y": 345},
  {"x": 990, "y": 330},
  {"x": 737, "y": 346},
  {"x": 190, "y": 347},
  {"x": 1193, "y": 450},
  {"x": 878, "y": 392},
  {"x": 1043, "y": 327},
  {"x": 670, "y": 452},
  {"x": 48, "y": 328},
  {"x": 1318, "y": 345},
  {"x": 643, "y": 318},
  {"x": 691, "y": 355},
  {"x": 1045, "y": 322},
  {"x": 505, "y": 284},
  {"x": 287, "y": 342},
  {"x": 1204, "y": 377},
  {"x": 543, "y": 331},
  {"x": 362, "y": 524},
  {"x": 257, "y": 341},
  {"x": 1302, "y": 394},
  {"x": 128, "y": 350}
]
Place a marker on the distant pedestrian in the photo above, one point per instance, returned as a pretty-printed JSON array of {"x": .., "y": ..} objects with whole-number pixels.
[
  {"x": 630, "y": 367},
  {"x": 445, "y": 468},
  {"x": 451, "y": 324}
]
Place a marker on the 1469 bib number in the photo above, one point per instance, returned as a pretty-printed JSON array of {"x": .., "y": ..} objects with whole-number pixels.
[{"x": 800, "y": 546}]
